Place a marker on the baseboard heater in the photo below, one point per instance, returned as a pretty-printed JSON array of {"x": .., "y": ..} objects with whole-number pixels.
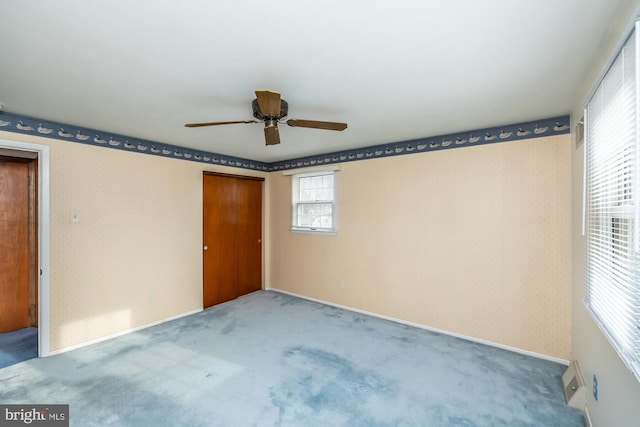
[{"x": 574, "y": 386}]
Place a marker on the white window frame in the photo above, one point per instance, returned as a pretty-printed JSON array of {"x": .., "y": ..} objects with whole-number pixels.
[
  {"x": 612, "y": 196},
  {"x": 296, "y": 175}
]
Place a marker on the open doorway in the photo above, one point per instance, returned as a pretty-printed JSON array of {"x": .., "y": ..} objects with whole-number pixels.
[
  {"x": 18, "y": 256},
  {"x": 24, "y": 251}
]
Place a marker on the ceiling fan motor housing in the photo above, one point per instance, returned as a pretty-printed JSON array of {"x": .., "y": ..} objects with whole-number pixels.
[
  {"x": 257, "y": 113},
  {"x": 270, "y": 123}
]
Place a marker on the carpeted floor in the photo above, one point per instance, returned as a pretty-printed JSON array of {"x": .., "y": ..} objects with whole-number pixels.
[
  {"x": 19, "y": 345},
  {"x": 269, "y": 359}
]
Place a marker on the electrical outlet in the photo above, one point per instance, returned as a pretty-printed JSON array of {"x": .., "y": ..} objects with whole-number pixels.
[
  {"x": 341, "y": 284},
  {"x": 595, "y": 387}
]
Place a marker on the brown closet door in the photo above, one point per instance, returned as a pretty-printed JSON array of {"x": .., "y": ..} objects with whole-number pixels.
[
  {"x": 14, "y": 245},
  {"x": 220, "y": 222},
  {"x": 249, "y": 236},
  {"x": 232, "y": 228}
]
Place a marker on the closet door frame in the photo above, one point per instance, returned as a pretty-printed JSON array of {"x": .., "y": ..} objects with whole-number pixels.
[{"x": 231, "y": 206}]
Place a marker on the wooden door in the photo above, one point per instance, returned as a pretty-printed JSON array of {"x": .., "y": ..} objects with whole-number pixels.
[
  {"x": 14, "y": 245},
  {"x": 250, "y": 236},
  {"x": 232, "y": 229},
  {"x": 219, "y": 229}
]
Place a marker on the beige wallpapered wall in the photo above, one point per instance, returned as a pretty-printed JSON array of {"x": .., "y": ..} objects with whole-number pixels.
[
  {"x": 474, "y": 241},
  {"x": 135, "y": 257}
]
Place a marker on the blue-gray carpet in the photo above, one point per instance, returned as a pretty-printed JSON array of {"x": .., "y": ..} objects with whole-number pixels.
[
  {"x": 17, "y": 346},
  {"x": 269, "y": 359}
]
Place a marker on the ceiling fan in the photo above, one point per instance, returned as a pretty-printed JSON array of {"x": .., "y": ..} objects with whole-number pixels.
[{"x": 269, "y": 108}]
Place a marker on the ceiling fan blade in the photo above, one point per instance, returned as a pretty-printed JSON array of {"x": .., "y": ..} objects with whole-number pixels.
[
  {"x": 271, "y": 135},
  {"x": 197, "y": 125},
  {"x": 316, "y": 124},
  {"x": 269, "y": 102}
]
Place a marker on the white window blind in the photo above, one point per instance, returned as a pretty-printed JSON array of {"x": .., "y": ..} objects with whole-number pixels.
[
  {"x": 313, "y": 202},
  {"x": 613, "y": 259}
]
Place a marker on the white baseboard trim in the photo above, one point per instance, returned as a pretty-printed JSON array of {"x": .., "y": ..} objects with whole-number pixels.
[
  {"x": 587, "y": 418},
  {"x": 428, "y": 328},
  {"x": 125, "y": 332}
]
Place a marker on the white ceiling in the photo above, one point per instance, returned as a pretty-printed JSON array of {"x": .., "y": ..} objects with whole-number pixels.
[{"x": 392, "y": 70}]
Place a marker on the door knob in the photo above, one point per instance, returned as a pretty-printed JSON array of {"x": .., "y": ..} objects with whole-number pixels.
[{"x": 205, "y": 247}]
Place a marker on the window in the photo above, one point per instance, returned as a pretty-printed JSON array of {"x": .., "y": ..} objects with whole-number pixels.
[
  {"x": 612, "y": 208},
  {"x": 313, "y": 202}
]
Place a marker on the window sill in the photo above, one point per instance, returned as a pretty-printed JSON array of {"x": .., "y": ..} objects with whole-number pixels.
[{"x": 313, "y": 231}]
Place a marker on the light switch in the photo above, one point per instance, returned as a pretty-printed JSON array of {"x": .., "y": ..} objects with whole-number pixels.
[{"x": 75, "y": 216}]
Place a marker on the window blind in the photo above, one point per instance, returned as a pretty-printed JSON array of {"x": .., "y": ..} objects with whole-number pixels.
[{"x": 612, "y": 165}]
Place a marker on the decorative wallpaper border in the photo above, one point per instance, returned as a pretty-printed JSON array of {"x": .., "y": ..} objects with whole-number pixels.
[
  {"x": 534, "y": 129},
  {"x": 28, "y": 125}
]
